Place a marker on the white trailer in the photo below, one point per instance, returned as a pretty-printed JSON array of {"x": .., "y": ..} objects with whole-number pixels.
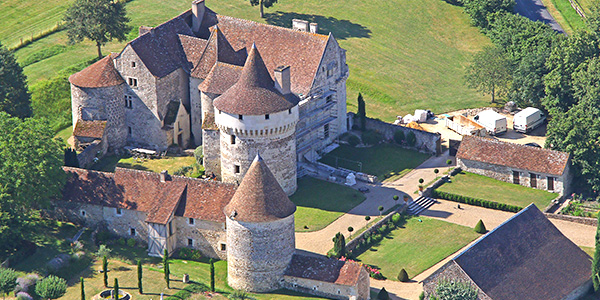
[
  {"x": 528, "y": 119},
  {"x": 493, "y": 122}
]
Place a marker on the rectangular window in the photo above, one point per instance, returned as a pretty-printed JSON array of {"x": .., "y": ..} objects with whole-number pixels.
[
  {"x": 516, "y": 177},
  {"x": 129, "y": 130},
  {"x": 241, "y": 117},
  {"x": 132, "y": 82},
  {"x": 223, "y": 247},
  {"x": 267, "y": 116},
  {"x": 171, "y": 228},
  {"x": 233, "y": 139},
  {"x": 128, "y": 101},
  {"x": 326, "y": 131},
  {"x": 190, "y": 242},
  {"x": 329, "y": 99},
  {"x": 191, "y": 221},
  {"x": 533, "y": 180},
  {"x": 550, "y": 183},
  {"x": 132, "y": 231},
  {"x": 133, "y": 64},
  {"x": 290, "y": 111},
  {"x": 118, "y": 211},
  {"x": 236, "y": 169}
]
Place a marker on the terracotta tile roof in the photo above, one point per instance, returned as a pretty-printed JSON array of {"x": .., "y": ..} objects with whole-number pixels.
[
  {"x": 92, "y": 129},
  {"x": 143, "y": 191},
  {"x": 302, "y": 51},
  {"x": 325, "y": 269},
  {"x": 220, "y": 78},
  {"x": 523, "y": 157},
  {"x": 100, "y": 74},
  {"x": 254, "y": 93},
  {"x": 259, "y": 198},
  {"x": 526, "y": 257}
]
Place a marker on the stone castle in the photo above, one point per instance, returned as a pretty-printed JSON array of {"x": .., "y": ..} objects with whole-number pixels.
[{"x": 234, "y": 86}]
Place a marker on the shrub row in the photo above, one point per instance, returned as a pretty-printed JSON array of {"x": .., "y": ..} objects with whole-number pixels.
[
  {"x": 34, "y": 37},
  {"x": 42, "y": 54},
  {"x": 475, "y": 201},
  {"x": 371, "y": 238},
  {"x": 189, "y": 254},
  {"x": 186, "y": 292}
]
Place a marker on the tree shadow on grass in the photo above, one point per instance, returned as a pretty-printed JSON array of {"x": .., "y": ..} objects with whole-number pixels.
[{"x": 341, "y": 29}]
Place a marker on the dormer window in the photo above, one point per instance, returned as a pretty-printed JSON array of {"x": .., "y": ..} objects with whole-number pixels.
[
  {"x": 267, "y": 116},
  {"x": 240, "y": 117}
]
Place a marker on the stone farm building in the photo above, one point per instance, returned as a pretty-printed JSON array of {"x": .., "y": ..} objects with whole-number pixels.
[
  {"x": 159, "y": 91},
  {"x": 250, "y": 226},
  {"x": 519, "y": 164},
  {"x": 526, "y": 257}
]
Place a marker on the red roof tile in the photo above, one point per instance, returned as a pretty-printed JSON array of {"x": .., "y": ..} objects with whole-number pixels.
[
  {"x": 220, "y": 78},
  {"x": 92, "y": 129},
  {"x": 193, "y": 48},
  {"x": 512, "y": 155},
  {"x": 100, "y": 74},
  {"x": 324, "y": 269},
  {"x": 259, "y": 198}
]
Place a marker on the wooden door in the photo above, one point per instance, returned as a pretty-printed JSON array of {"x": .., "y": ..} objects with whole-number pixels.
[
  {"x": 533, "y": 180},
  {"x": 550, "y": 183},
  {"x": 516, "y": 177}
]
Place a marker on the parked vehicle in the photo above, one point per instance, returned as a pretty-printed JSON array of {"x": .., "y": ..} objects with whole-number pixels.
[
  {"x": 528, "y": 119},
  {"x": 493, "y": 122}
]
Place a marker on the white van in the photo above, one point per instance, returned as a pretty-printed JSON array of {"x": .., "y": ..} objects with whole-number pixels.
[
  {"x": 493, "y": 122},
  {"x": 528, "y": 119}
]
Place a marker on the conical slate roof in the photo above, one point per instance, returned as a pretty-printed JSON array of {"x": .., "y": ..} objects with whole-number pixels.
[
  {"x": 254, "y": 93},
  {"x": 100, "y": 74},
  {"x": 259, "y": 198}
]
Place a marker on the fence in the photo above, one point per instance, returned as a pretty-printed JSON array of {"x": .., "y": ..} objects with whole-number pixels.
[{"x": 577, "y": 8}]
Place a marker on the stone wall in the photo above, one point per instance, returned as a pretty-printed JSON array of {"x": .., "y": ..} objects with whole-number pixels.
[
  {"x": 426, "y": 141},
  {"x": 96, "y": 149},
  {"x": 321, "y": 288},
  {"x": 505, "y": 173},
  {"x": 211, "y": 149},
  {"x": 449, "y": 271},
  {"x": 196, "y": 110},
  {"x": 259, "y": 253},
  {"x": 207, "y": 236},
  {"x": 574, "y": 219}
]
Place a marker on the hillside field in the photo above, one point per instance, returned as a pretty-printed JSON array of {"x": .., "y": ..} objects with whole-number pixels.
[{"x": 402, "y": 55}]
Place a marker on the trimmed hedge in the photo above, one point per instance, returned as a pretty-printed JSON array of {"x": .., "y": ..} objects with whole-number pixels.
[{"x": 475, "y": 201}]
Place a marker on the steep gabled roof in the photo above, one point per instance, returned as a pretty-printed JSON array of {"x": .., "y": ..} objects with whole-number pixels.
[
  {"x": 193, "y": 48},
  {"x": 254, "y": 93},
  {"x": 100, "y": 74},
  {"x": 91, "y": 129},
  {"x": 526, "y": 257},
  {"x": 143, "y": 191},
  {"x": 325, "y": 269},
  {"x": 259, "y": 198},
  {"x": 221, "y": 77},
  {"x": 512, "y": 155},
  {"x": 217, "y": 49}
]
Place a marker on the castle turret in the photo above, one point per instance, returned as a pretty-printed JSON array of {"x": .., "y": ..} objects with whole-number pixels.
[
  {"x": 260, "y": 231},
  {"x": 256, "y": 114},
  {"x": 98, "y": 94}
]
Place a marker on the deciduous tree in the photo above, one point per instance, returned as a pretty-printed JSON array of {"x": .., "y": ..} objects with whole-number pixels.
[
  {"x": 490, "y": 72},
  {"x": 98, "y": 20},
  {"x": 261, "y": 3},
  {"x": 596, "y": 260},
  {"x": 14, "y": 94}
]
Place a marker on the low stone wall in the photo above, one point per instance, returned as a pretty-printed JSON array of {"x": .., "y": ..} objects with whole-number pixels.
[
  {"x": 86, "y": 157},
  {"x": 354, "y": 242},
  {"x": 426, "y": 141},
  {"x": 574, "y": 219}
]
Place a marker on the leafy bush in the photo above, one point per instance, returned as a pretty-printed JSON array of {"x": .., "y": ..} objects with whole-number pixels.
[
  {"x": 480, "y": 227},
  {"x": 454, "y": 290},
  {"x": 399, "y": 136},
  {"x": 51, "y": 287},
  {"x": 240, "y": 295},
  {"x": 189, "y": 254},
  {"x": 396, "y": 197},
  {"x": 383, "y": 295},
  {"x": 411, "y": 139},
  {"x": 8, "y": 280},
  {"x": 371, "y": 137},
  {"x": 199, "y": 154},
  {"x": 422, "y": 296},
  {"x": 121, "y": 241},
  {"x": 103, "y": 236},
  {"x": 475, "y": 201},
  {"x": 353, "y": 140},
  {"x": 403, "y": 276},
  {"x": 131, "y": 242},
  {"x": 103, "y": 251}
]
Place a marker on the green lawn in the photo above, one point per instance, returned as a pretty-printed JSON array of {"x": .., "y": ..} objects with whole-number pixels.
[
  {"x": 383, "y": 160},
  {"x": 588, "y": 250},
  {"x": 417, "y": 246},
  {"x": 570, "y": 16},
  {"x": 402, "y": 55},
  {"x": 65, "y": 134},
  {"x": 169, "y": 163},
  {"x": 319, "y": 203},
  {"x": 477, "y": 186}
]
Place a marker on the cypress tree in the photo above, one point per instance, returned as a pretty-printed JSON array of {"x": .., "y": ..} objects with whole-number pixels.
[
  {"x": 82, "y": 289},
  {"x": 105, "y": 270},
  {"x": 166, "y": 267},
  {"x": 116, "y": 291},
  {"x": 339, "y": 246},
  {"x": 212, "y": 275},
  {"x": 596, "y": 260},
  {"x": 139, "y": 270},
  {"x": 362, "y": 113}
]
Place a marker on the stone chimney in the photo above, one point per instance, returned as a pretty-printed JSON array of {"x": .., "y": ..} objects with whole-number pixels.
[
  {"x": 164, "y": 176},
  {"x": 198, "y": 13},
  {"x": 314, "y": 27},
  {"x": 300, "y": 25},
  {"x": 282, "y": 79}
]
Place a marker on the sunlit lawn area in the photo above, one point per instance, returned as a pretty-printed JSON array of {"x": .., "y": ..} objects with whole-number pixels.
[
  {"x": 169, "y": 163},
  {"x": 319, "y": 203},
  {"x": 418, "y": 245},
  {"x": 383, "y": 160},
  {"x": 477, "y": 186},
  {"x": 65, "y": 134}
]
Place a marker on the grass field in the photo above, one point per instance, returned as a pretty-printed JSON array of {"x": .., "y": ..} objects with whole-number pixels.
[
  {"x": 319, "y": 203},
  {"x": 402, "y": 55},
  {"x": 381, "y": 160},
  {"x": 477, "y": 186},
  {"x": 169, "y": 163},
  {"x": 417, "y": 246},
  {"x": 65, "y": 134},
  {"x": 569, "y": 15}
]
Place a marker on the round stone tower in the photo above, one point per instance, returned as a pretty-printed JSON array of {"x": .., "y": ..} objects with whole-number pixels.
[
  {"x": 260, "y": 231},
  {"x": 98, "y": 93},
  {"x": 258, "y": 113}
]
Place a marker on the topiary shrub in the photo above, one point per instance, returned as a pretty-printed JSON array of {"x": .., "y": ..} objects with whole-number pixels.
[
  {"x": 403, "y": 276},
  {"x": 353, "y": 140},
  {"x": 480, "y": 227},
  {"x": 411, "y": 139},
  {"x": 399, "y": 136},
  {"x": 396, "y": 197},
  {"x": 383, "y": 295}
]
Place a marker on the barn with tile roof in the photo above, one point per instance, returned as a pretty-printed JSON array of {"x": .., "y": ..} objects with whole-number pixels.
[
  {"x": 526, "y": 257},
  {"x": 519, "y": 164}
]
